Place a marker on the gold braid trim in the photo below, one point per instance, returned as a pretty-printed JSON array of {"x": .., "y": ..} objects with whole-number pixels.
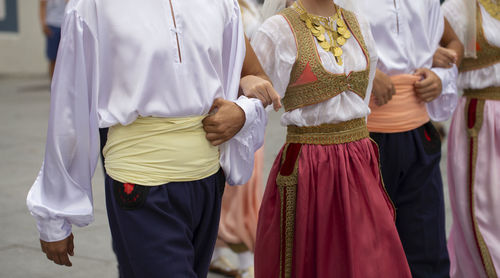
[
  {"x": 287, "y": 186},
  {"x": 473, "y": 133},
  {"x": 490, "y": 93},
  {"x": 487, "y": 54},
  {"x": 328, "y": 134},
  {"x": 327, "y": 85}
]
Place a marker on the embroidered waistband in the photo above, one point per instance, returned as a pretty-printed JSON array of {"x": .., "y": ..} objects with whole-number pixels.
[
  {"x": 328, "y": 134},
  {"x": 490, "y": 93}
]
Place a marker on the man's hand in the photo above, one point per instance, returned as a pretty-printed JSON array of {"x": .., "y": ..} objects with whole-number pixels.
[
  {"x": 225, "y": 120},
  {"x": 430, "y": 87},
  {"x": 444, "y": 58},
  {"x": 46, "y": 30},
  {"x": 383, "y": 89},
  {"x": 58, "y": 251},
  {"x": 257, "y": 87}
]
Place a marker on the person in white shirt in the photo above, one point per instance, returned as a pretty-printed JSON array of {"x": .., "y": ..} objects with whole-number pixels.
[
  {"x": 474, "y": 142},
  {"x": 166, "y": 85},
  {"x": 51, "y": 18},
  {"x": 407, "y": 93}
]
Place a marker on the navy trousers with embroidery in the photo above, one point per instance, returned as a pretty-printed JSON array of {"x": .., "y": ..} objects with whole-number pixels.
[
  {"x": 164, "y": 231},
  {"x": 410, "y": 169}
]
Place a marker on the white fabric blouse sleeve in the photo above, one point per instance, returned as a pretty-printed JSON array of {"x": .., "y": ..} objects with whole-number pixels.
[
  {"x": 372, "y": 50},
  {"x": 442, "y": 107},
  {"x": 275, "y": 47},
  {"x": 237, "y": 154},
  {"x": 62, "y": 193}
]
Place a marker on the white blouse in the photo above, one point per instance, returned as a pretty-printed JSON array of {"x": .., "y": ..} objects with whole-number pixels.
[
  {"x": 455, "y": 12},
  {"x": 407, "y": 34},
  {"x": 120, "y": 59},
  {"x": 275, "y": 46}
]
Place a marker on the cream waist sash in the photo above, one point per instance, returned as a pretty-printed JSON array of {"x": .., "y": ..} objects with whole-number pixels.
[
  {"x": 404, "y": 112},
  {"x": 154, "y": 151}
]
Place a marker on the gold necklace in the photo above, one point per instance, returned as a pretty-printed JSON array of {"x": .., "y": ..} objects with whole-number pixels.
[
  {"x": 492, "y": 7},
  {"x": 319, "y": 25}
]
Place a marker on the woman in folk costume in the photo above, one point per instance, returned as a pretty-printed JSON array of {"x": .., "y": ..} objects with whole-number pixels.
[
  {"x": 474, "y": 142},
  {"x": 240, "y": 204},
  {"x": 325, "y": 212}
]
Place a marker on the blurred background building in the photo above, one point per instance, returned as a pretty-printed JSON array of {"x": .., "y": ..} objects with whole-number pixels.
[{"x": 21, "y": 40}]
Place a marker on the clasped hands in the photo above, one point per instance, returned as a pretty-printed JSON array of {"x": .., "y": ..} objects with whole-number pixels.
[
  {"x": 226, "y": 118},
  {"x": 428, "y": 88}
]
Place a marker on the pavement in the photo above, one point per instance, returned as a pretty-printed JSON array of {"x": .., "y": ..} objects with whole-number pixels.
[{"x": 24, "y": 110}]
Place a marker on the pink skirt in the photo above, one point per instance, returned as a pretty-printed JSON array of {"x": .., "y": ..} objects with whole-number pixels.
[
  {"x": 343, "y": 221},
  {"x": 474, "y": 184}
]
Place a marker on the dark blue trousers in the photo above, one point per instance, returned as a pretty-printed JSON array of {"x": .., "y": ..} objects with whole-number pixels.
[
  {"x": 410, "y": 169},
  {"x": 164, "y": 231}
]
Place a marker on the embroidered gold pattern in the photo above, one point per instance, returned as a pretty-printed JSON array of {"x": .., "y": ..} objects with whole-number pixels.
[
  {"x": 327, "y": 85},
  {"x": 487, "y": 54},
  {"x": 473, "y": 136},
  {"x": 287, "y": 187},
  {"x": 490, "y": 93},
  {"x": 328, "y": 134}
]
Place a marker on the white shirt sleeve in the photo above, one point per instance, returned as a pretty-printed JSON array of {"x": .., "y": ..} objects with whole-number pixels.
[
  {"x": 442, "y": 107},
  {"x": 237, "y": 155},
  {"x": 62, "y": 193}
]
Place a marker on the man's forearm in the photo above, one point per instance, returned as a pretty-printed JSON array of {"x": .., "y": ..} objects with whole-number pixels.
[{"x": 43, "y": 12}]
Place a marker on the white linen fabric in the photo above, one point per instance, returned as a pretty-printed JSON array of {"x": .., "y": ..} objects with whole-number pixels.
[
  {"x": 481, "y": 78},
  {"x": 172, "y": 60},
  {"x": 407, "y": 34},
  {"x": 274, "y": 44}
]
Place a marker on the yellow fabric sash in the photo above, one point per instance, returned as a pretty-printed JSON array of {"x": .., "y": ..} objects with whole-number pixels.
[{"x": 154, "y": 151}]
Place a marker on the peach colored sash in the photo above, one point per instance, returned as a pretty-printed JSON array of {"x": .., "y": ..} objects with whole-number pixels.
[{"x": 404, "y": 112}]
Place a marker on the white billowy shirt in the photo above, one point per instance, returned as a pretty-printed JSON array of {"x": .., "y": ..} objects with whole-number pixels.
[
  {"x": 407, "y": 34},
  {"x": 455, "y": 11},
  {"x": 274, "y": 44},
  {"x": 120, "y": 59}
]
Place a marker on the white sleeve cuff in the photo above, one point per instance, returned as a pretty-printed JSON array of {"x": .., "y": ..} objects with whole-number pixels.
[
  {"x": 442, "y": 107},
  {"x": 53, "y": 229},
  {"x": 237, "y": 155}
]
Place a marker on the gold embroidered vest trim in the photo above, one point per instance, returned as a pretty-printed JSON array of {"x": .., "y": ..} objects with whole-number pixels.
[
  {"x": 487, "y": 54},
  {"x": 326, "y": 85},
  {"x": 490, "y": 93}
]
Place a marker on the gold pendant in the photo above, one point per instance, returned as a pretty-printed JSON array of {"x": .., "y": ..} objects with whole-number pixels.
[
  {"x": 325, "y": 45},
  {"x": 337, "y": 51},
  {"x": 320, "y": 38},
  {"x": 346, "y": 35},
  {"x": 339, "y": 61},
  {"x": 342, "y": 30},
  {"x": 341, "y": 41}
]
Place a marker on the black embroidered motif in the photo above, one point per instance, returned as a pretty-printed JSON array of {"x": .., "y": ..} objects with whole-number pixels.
[
  {"x": 130, "y": 196},
  {"x": 430, "y": 138}
]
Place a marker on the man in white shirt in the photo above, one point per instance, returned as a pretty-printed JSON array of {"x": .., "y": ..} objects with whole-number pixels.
[
  {"x": 172, "y": 75},
  {"x": 407, "y": 94},
  {"x": 51, "y": 18}
]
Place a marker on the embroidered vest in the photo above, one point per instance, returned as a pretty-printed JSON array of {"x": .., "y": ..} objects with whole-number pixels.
[
  {"x": 487, "y": 54},
  {"x": 310, "y": 83}
]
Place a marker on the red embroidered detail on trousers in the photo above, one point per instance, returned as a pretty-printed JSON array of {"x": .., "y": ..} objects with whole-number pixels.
[
  {"x": 427, "y": 135},
  {"x": 128, "y": 188}
]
